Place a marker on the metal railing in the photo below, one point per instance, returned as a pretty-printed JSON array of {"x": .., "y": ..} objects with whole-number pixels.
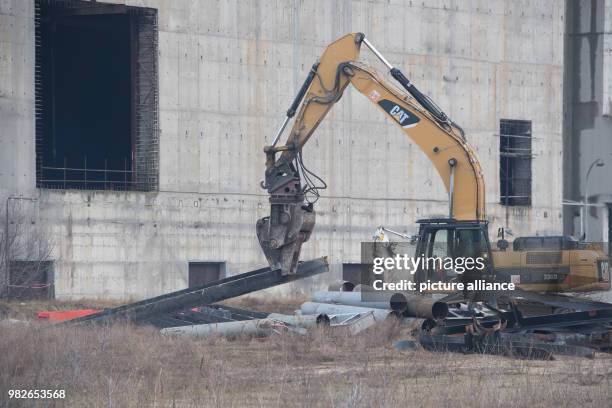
[{"x": 87, "y": 178}]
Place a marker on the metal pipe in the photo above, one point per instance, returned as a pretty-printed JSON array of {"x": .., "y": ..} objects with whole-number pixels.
[
  {"x": 377, "y": 53},
  {"x": 452, "y": 163},
  {"x": 427, "y": 325},
  {"x": 375, "y": 300},
  {"x": 280, "y": 130},
  {"x": 296, "y": 102},
  {"x": 314, "y": 308},
  {"x": 424, "y": 100},
  {"x": 424, "y": 307},
  {"x": 583, "y": 218},
  {"x": 399, "y": 234},
  {"x": 341, "y": 286},
  {"x": 398, "y": 302},
  {"x": 257, "y": 327},
  {"x": 303, "y": 321}
]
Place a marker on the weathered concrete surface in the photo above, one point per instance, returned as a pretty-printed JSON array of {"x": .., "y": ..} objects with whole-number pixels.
[
  {"x": 227, "y": 73},
  {"x": 17, "y": 143}
]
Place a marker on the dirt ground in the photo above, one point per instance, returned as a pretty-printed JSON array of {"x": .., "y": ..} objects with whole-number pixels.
[{"x": 125, "y": 366}]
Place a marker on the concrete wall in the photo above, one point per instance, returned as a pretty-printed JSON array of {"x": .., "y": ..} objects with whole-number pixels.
[
  {"x": 17, "y": 143},
  {"x": 227, "y": 73},
  {"x": 588, "y": 130}
]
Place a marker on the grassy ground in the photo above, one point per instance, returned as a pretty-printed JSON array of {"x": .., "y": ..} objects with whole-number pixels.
[{"x": 124, "y": 366}]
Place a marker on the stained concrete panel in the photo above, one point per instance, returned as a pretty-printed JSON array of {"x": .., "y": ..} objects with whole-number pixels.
[{"x": 228, "y": 70}]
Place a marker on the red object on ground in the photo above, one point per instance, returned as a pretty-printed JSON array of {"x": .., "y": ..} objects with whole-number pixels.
[{"x": 60, "y": 316}]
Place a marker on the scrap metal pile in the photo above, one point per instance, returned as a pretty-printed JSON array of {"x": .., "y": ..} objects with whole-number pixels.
[
  {"x": 181, "y": 306},
  {"x": 576, "y": 326},
  {"x": 350, "y": 311},
  {"x": 530, "y": 325},
  {"x": 447, "y": 324},
  {"x": 571, "y": 325}
]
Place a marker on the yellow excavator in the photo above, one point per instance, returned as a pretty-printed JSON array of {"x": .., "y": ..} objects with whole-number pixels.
[{"x": 566, "y": 265}]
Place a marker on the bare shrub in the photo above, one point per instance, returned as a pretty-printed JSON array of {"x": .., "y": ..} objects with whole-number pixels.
[{"x": 25, "y": 251}]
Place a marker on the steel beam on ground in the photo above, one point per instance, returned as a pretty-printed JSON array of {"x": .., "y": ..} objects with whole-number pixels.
[{"x": 209, "y": 293}]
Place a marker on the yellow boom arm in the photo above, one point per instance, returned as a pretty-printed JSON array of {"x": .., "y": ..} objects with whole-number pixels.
[{"x": 291, "y": 221}]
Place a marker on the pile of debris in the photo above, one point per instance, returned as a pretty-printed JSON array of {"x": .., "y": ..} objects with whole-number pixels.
[
  {"x": 571, "y": 326},
  {"x": 344, "y": 309},
  {"x": 447, "y": 324},
  {"x": 168, "y": 309},
  {"x": 530, "y": 325},
  {"x": 577, "y": 327}
]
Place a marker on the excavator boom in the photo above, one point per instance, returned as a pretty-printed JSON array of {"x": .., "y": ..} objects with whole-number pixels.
[{"x": 292, "y": 216}]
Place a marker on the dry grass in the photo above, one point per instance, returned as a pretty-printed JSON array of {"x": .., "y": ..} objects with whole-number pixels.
[
  {"x": 27, "y": 310},
  {"x": 123, "y": 366}
]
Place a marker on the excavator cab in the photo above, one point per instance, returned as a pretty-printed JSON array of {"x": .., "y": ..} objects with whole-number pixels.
[{"x": 447, "y": 238}]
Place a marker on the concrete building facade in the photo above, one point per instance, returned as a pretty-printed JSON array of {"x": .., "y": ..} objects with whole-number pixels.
[{"x": 226, "y": 73}]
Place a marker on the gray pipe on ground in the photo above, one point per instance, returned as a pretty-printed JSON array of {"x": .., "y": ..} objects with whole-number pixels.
[
  {"x": 255, "y": 327},
  {"x": 314, "y": 308},
  {"x": 410, "y": 304},
  {"x": 375, "y": 300}
]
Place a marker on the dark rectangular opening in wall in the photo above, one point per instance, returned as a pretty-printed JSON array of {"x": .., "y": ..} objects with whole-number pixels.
[
  {"x": 515, "y": 162},
  {"x": 96, "y": 96},
  {"x": 31, "y": 280},
  {"x": 356, "y": 273},
  {"x": 201, "y": 273}
]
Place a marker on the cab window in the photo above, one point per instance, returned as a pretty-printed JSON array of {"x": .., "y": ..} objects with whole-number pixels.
[{"x": 470, "y": 243}]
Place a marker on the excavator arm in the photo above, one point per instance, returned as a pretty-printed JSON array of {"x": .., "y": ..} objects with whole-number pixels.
[{"x": 288, "y": 182}]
